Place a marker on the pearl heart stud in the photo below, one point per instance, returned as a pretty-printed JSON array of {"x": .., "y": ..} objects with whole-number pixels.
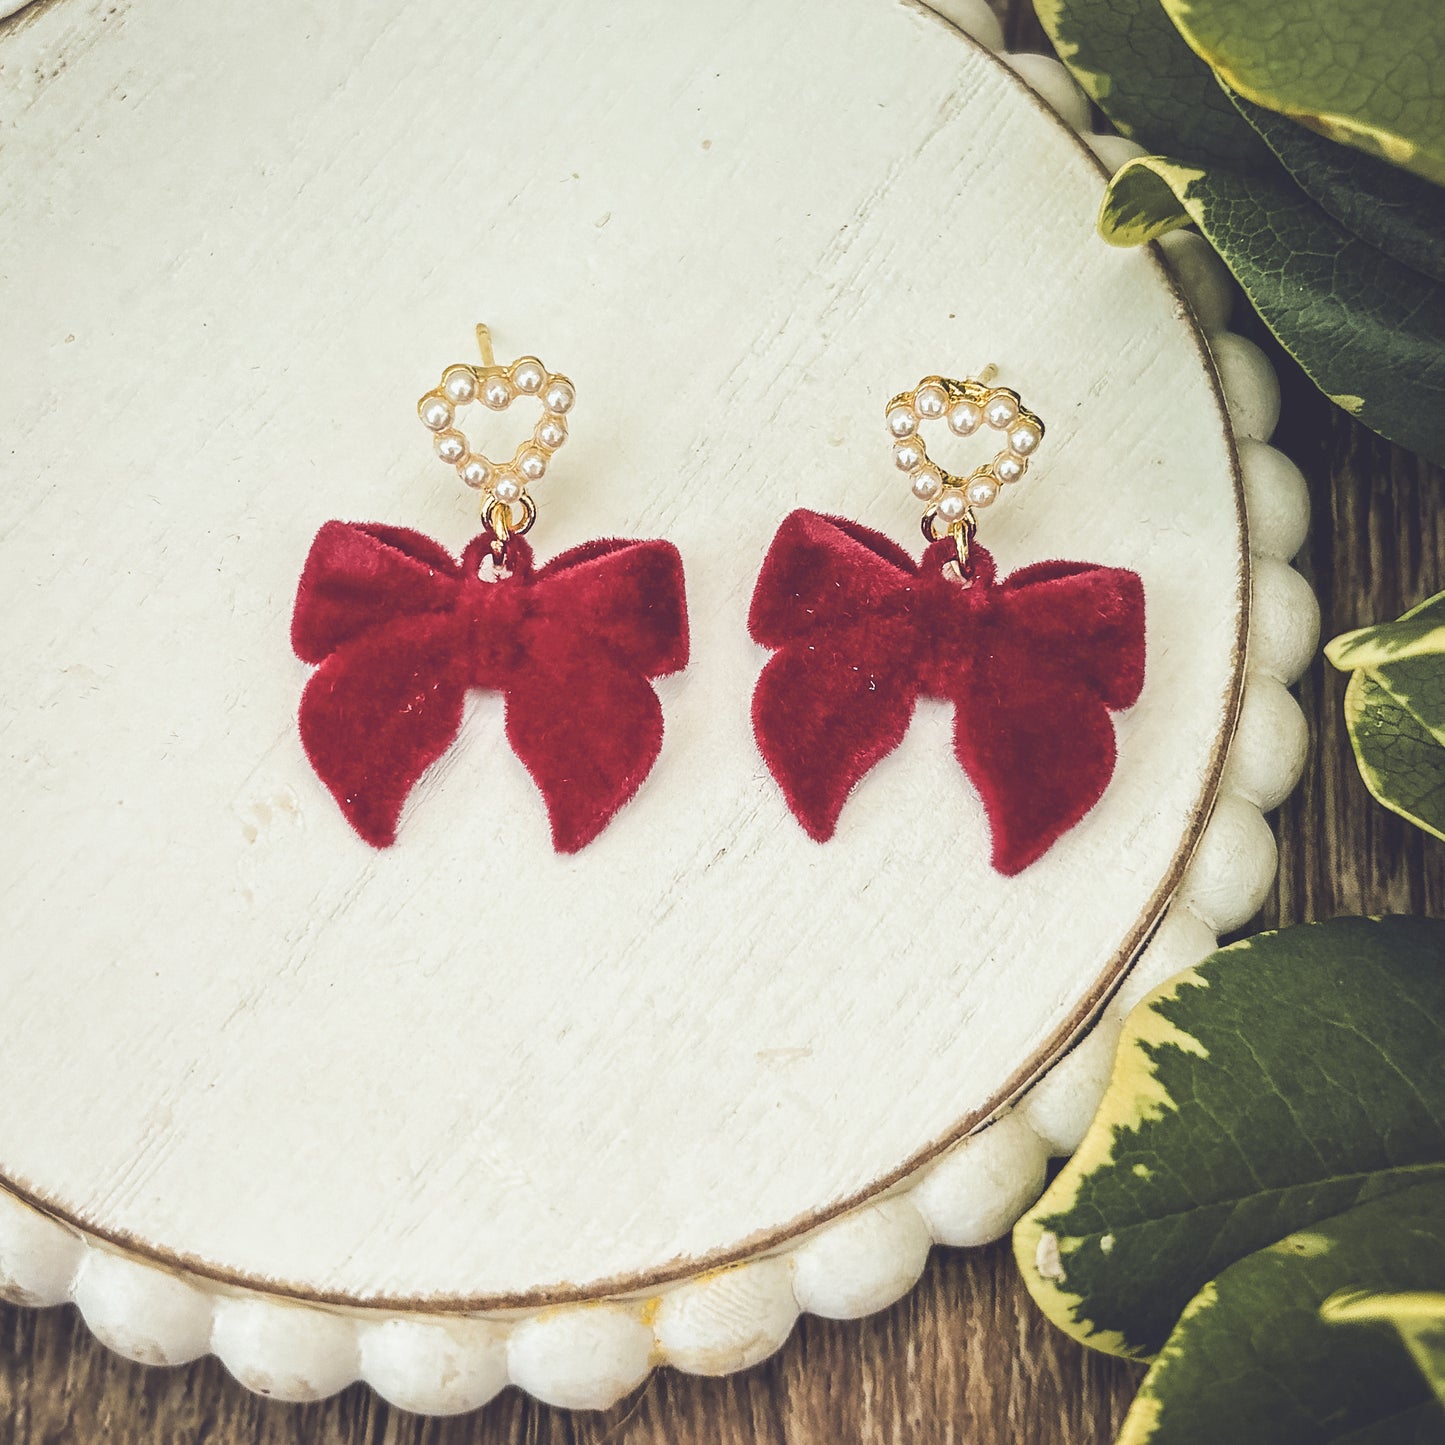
[
  {"x": 966, "y": 406},
  {"x": 497, "y": 387}
]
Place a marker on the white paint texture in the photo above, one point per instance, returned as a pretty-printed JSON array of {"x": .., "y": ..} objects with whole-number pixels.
[{"x": 227, "y": 1012}]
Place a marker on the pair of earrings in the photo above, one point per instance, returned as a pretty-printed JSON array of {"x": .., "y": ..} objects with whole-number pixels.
[{"x": 400, "y": 630}]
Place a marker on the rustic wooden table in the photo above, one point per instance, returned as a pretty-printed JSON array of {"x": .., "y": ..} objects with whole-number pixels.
[{"x": 965, "y": 1357}]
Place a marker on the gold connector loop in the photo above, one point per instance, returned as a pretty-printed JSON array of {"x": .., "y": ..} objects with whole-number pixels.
[
  {"x": 498, "y": 516},
  {"x": 962, "y": 531}
]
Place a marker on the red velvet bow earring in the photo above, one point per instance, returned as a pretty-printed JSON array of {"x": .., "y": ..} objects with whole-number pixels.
[
  {"x": 1032, "y": 664},
  {"x": 401, "y": 629}
]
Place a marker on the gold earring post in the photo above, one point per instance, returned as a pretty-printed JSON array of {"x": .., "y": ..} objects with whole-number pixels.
[{"x": 484, "y": 345}]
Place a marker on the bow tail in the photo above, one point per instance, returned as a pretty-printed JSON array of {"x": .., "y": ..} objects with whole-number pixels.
[
  {"x": 379, "y": 712},
  {"x": 1039, "y": 748},
  {"x": 822, "y": 722},
  {"x": 588, "y": 730},
  {"x": 834, "y": 599}
]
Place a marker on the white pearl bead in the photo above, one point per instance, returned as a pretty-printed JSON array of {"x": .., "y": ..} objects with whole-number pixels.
[
  {"x": 981, "y": 492},
  {"x": 926, "y": 484},
  {"x": 908, "y": 455},
  {"x": 902, "y": 422},
  {"x": 507, "y": 489},
  {"x": 497, "y": 393},
  {"x": 451, "y": 446},
  {"x": 528, "y": 375},
  {"x": 532, "y": 464},
  {"x": 552, "y": 432},
  {"x": 952, "y": 505},
  {"x": 930, "y": 401},
  {"x": 1008, "y": 469},
  {"x": 459, "y": 383},
  {"x": 435, "y": 412},
  {"x": 475, "y": 472},
  {"x": 965, "y": 418},
  {"x": 1000, "y": 411},
  {"x": 1024, "y": 438},
  {"x": 559, "y": 396}
]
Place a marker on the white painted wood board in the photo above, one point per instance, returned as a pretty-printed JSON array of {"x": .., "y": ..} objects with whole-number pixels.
[{"x": 238, "y": 1037}]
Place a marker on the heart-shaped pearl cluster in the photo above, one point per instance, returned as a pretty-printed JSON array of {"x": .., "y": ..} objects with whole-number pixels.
[
  {"x": 497, "y": 387},
  {"x": 966, "y": 406}
]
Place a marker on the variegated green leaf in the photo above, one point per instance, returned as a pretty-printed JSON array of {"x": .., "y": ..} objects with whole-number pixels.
[
  {"x": 1130, "y": 59},
  {"x": 1419, "y": 633},
  {"x": 1252, "y": 1358},
  {"x": 1395, "y": 710},
  {"x": 1145, "y": 200},
  {"x": 1398, "y": 213},
  {"x": 1417, "y": 1315},
  {"x": 1369, "y": 331},
  {"x": 1370, "y": 75},
  {"x": 1401, "y": 762},
  {"x": 1286, "y": 1079}
]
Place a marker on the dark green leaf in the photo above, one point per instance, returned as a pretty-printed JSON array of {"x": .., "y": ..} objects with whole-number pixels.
[
  {"x": 1132, "y": 62},
  {"x": 1414, "y": 1425},
  {"x": 1252, "y": 1358},
  {"x": 1390, "y": 209},
  {"x": 1369, "y": 331},
  {"x": 1285, "y": 1080}
]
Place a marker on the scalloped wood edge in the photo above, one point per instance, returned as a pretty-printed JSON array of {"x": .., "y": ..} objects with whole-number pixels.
[{"x": 588, "y": 1355}]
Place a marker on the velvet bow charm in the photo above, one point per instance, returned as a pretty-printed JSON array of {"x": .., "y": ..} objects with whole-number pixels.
[
  {"x": 401, "y": 630},
  {"x": 1032, "y": 665}
]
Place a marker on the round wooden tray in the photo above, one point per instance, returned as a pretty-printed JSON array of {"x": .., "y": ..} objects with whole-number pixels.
[{"x": 462, "y": 1089}]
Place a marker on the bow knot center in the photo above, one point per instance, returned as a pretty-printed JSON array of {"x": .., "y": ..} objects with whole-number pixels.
[
  {"x": 495, "y": 610},
  {"x": 953, "y": 614}
]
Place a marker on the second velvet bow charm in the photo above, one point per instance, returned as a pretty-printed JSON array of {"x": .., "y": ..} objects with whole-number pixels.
[
  {"x": 1032, "y": 664},
  {"x": 400, "y": 630}
]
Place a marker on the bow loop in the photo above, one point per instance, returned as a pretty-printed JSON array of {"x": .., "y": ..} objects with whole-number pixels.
[
  {"x": 630, "y": 597},
  {"x": 824, "y": 573},
  {"x": 1091, "y": 616},
  {"x": 358, "y": 577}
]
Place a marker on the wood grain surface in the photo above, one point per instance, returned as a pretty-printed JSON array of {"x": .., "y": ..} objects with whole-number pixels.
[{"x": 965, "y": 1357}]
